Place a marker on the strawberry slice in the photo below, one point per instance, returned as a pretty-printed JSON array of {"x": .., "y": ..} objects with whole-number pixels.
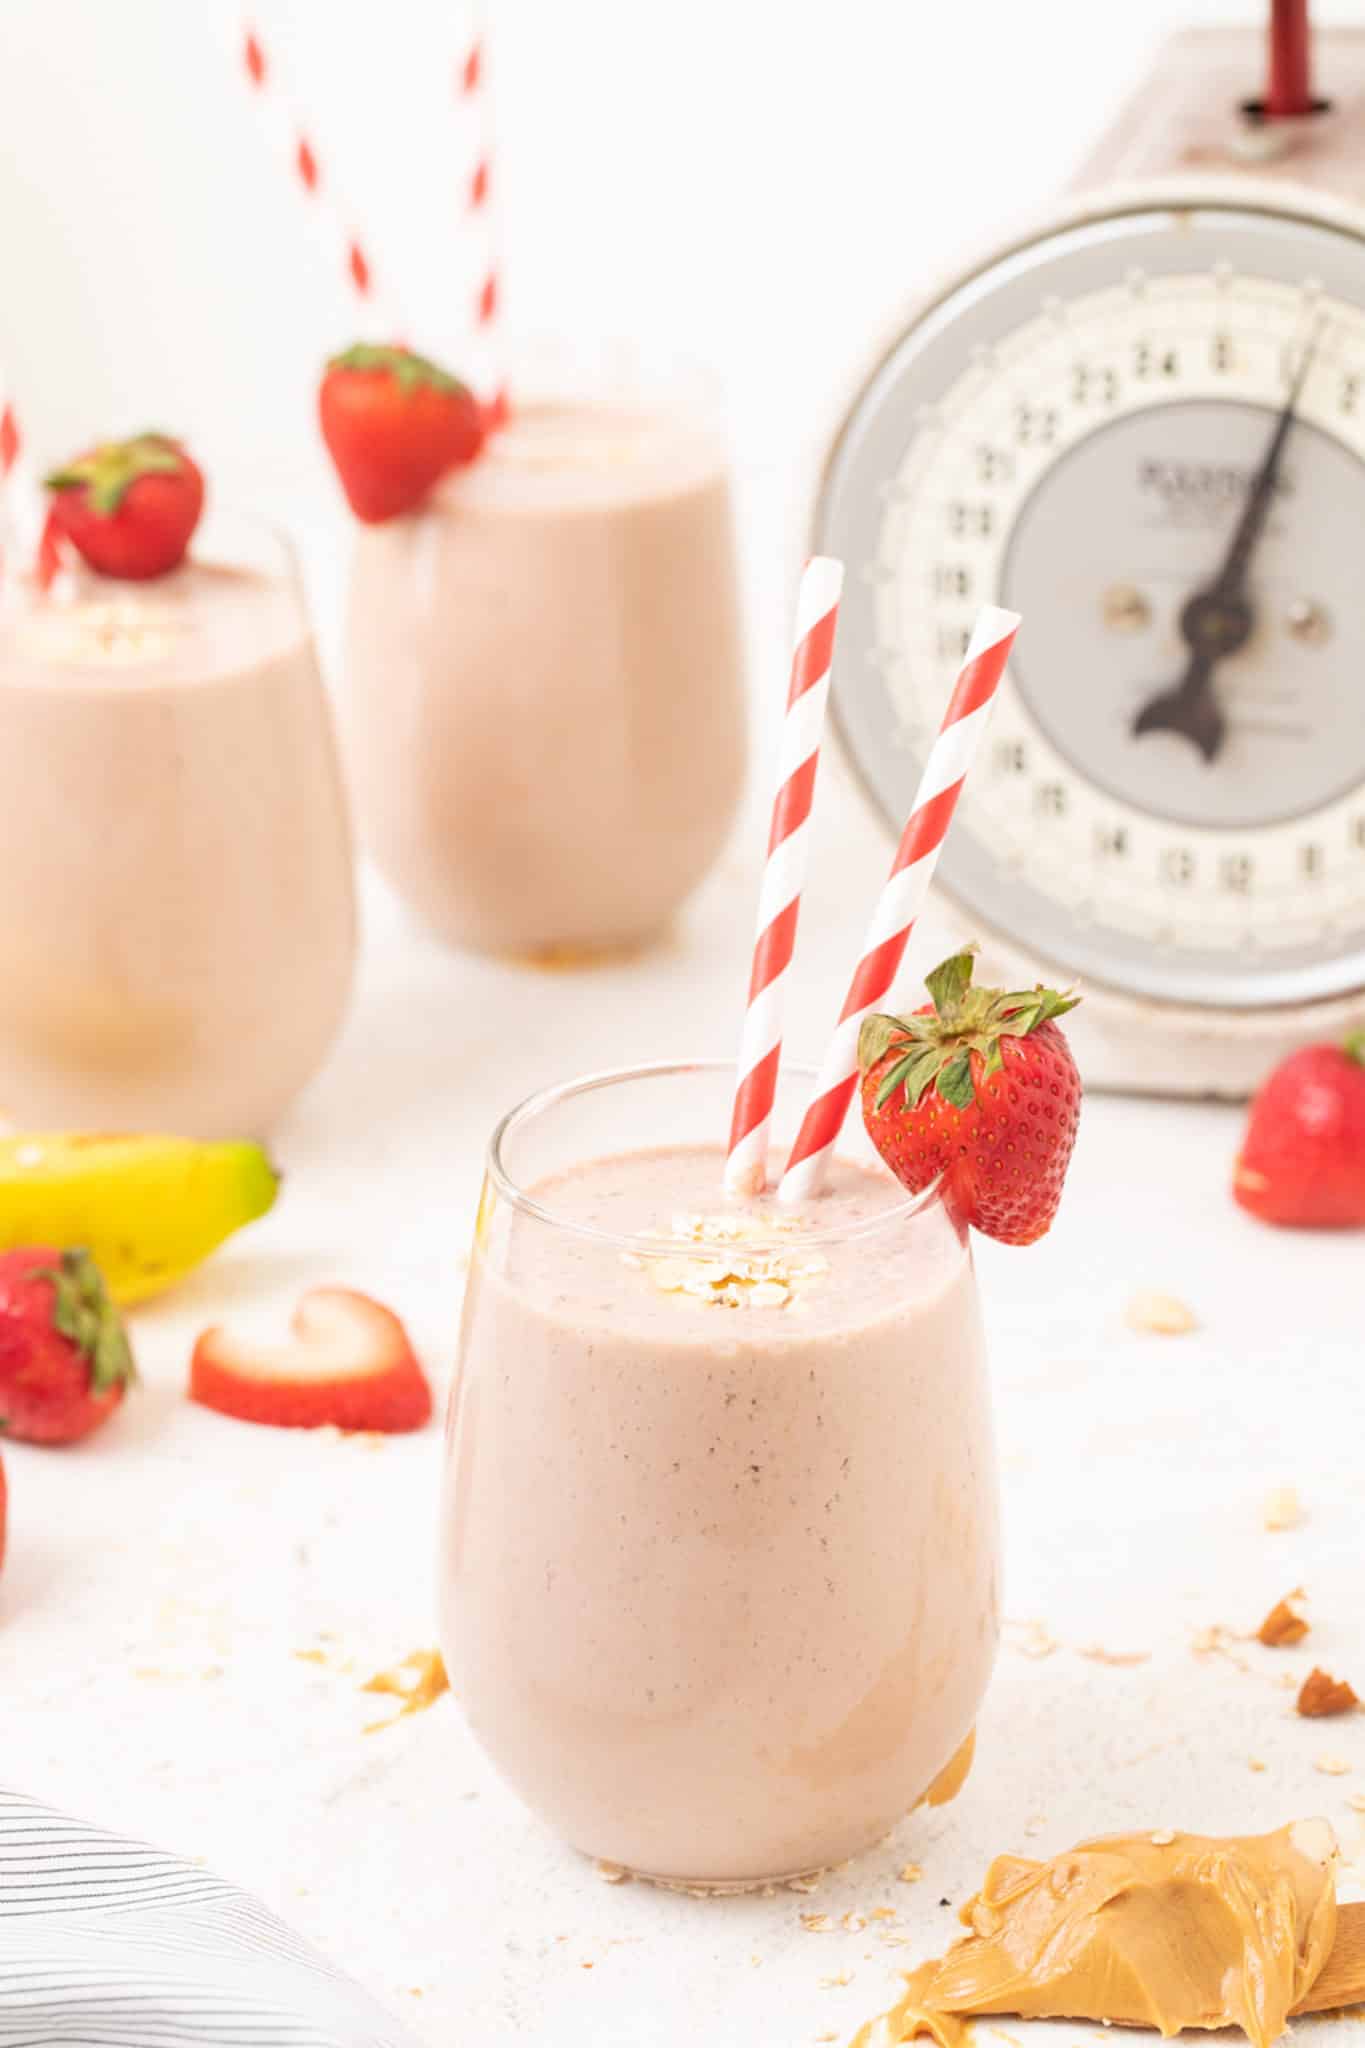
[
  {"x": 348, "y": 1361},
  {"x": 394, "y": 424},
  {"x": 129, "y": 508}
]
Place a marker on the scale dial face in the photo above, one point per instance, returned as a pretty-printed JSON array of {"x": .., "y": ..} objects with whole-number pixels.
[{"x": 1076, "y": 431}]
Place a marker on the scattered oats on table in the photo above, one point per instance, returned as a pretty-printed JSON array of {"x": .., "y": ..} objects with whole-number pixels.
[
  {"x": 910, "y": 1873},
  {"x": 836, "y": 1983},
  {"x": 816, "y": 1923},
  {"x": 1160, "y": 1315},
  {"x": 1255, "y": 1763},
  {"x": 1331, "y": 1766},
  {"x": 1030, "y": 1638},
  {"x": 1283, "y": 1508}
]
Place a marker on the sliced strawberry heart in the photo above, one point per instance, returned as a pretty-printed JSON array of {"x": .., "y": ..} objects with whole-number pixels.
[{"x": 348, "y": 1361}]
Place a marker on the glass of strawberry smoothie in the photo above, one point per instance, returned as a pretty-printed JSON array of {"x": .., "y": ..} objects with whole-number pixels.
[
  {"x": 175, "y": 856},
  {"x": 719, "y": 1541},
  {"x": 546, "y": 728}
]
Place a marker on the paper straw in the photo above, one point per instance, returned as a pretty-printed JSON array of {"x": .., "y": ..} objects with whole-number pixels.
[
  {"x": 480, "y": 220},
  {"x": 296, "y": 150},
  {"x": 903, "y": 897},
  {"x": 779, "y": 897},
  {"x": 24, "y": 531}
]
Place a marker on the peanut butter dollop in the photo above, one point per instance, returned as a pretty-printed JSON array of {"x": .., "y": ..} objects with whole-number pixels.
[{"x": 1159, "y": 1930}]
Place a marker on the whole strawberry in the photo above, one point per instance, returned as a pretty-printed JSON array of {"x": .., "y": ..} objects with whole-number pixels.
[
  {"x": 129, "y": 508},
  {"x": 394, "y": 424},
  {"x": 1302, "y": 1160},
  {"x": 64, "y": 1355},
  {"x": 980, "y": 1087}
]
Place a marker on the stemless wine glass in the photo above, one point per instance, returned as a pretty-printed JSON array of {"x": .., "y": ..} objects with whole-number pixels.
[
  {"x": 545, "y": 713},
  {"x": 176, "y": 886},
  {"x": 719, "y": 1537}
]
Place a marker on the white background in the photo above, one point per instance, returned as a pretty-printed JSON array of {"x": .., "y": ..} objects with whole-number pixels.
[{"x": 760, "y": 183}]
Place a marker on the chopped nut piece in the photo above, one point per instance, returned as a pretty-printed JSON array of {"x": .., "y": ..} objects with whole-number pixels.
[
  {"x": 418, "y": 1680},
  {"x": 1321, "y": 1695},
  {"x": 910, "y": 1873},
  {"x": 1284, "y": 1624},
  {"x": 1283, "y": 1509},
  {"x": 1161, "y": 1314},
  {"x": 1031, "y": 1638},
  {"x": 1331, "y": 1766},
  {"x": 611, "y": 1873},
  {"x": 1163, "y": 1838}
]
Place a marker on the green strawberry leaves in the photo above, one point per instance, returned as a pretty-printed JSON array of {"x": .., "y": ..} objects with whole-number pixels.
[
  {"x": 409, "y": 371},
  {"x": 936, "y": 1046},
  {"x": 83, "y": 1313},
  {"x": 949, "y": 983},
  {"x": 110, "y": 471},
  {"x": 955, "y": 1080},
  {"x": 1354, "y": 1046}
]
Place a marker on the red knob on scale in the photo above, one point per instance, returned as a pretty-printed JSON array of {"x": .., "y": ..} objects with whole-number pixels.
[{"x": 1289, "y": 77}]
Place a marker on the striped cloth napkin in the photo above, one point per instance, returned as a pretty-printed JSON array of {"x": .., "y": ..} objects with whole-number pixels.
[{"x": 105, "y": 1941}]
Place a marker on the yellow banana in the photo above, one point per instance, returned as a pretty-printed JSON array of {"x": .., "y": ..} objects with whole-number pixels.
[{"x": 148, "y": 1209}]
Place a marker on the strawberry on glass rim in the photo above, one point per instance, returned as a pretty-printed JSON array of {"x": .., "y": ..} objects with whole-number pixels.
[
  {"x": 129, "y": 508},
  {"x": 395, "y": 424},
  {"x": 978, "y": 1086}
]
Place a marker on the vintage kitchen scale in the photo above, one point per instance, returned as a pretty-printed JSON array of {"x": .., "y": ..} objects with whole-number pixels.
[{"x": 1142, "y": 425}]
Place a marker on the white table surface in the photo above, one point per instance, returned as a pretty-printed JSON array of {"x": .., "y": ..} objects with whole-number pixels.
[{"x": 163, "y": 1578}]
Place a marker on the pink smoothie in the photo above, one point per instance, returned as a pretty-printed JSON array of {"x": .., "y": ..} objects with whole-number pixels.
[
  {"x": 720, "y": 1543},
  {"x": 546, "y": 713},
  {"x": 175, "y": 868}
]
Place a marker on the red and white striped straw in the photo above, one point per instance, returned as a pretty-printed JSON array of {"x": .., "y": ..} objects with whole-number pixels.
[
  {"x": 779, "y": 897},
  {"x": 24, "y": 534},
  {"x": 480, "y": 218},
  {"x": 297, "y": 151},
  {"x": 903, "y": 896}
]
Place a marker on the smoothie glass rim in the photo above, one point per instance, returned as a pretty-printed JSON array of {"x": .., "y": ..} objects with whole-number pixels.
[{"x": 544, "y": 1100}]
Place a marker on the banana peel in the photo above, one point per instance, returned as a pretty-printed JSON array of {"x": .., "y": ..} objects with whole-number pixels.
[{"x": 147, "y": 1209}]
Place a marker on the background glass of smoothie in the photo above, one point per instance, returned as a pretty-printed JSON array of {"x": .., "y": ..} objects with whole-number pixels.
[
  {"x": 719, "y": 1537},
  {"x": 544, "y": 677},
  {"x": 176, "y": 889}
]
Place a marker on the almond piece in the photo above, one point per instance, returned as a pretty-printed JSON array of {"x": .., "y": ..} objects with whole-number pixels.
[
  {"x": 1161, "y": 1314},
  {"x": 1284, "y": 1624},
  {"x": 1321, "y": 1695}
]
